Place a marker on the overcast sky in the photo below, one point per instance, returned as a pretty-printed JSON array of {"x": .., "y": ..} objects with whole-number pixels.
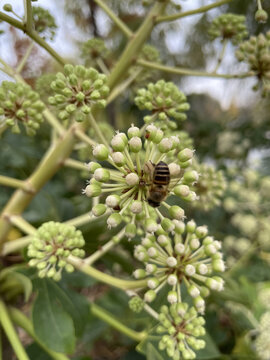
[{"x": 225, "y": 91}]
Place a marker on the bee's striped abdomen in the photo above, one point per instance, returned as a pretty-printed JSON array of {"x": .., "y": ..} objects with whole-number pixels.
[{"x": 161, "y": 174}]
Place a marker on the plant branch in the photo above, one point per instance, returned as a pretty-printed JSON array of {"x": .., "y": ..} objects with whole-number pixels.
[
  {"x": 8, "y": 181},
  {"x": 111, "y": 320},
  {"x": 105, "y": 278},
  {"x": 33, "y": 35},
  {"x": 189, "y": 72},
  {"x": 28, "y": 16},
  {"x": 118, "y": 22},
  {"x": 53, "y": 122},
  {"x": 221, "y": 55},
  {"x": 105, "y": 248},
  {"x": 22, "y": 224},
  {"x": 23, "y": 322},
  {"x": 191, "y": 12},
  {"x": 75, "y": 164},
  {"x": 135, "y": 44},
  {"x": 11, "y": 333},
  {"x": 22, "y": 63},
  {"x": 85, "y": 138}
]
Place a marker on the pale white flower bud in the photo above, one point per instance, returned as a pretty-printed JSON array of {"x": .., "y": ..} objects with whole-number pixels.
[
  {"x": 190, "y": 270},
  {"x": 202, "y": 269},
  {"x": 136, "y": 207},
  {"x": 118, "y": 158},
  {"x": 179, "y": 249},
  {"x": 171, "y": 261},
  {"x": 132, "y": 179},
  {"x": 112, "y": 201},
  {"x": 174, "y": 169},
  {"x": 172, "y": 280}
]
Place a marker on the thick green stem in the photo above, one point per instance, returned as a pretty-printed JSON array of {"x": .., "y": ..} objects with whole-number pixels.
[
  {"x": 28, "y": 16},
  {"x": 191, "y": 12},
  {"x": 7, "y": 181},
  {"x": 135, "y": 44},
  {"x": 75, "y": 164},
  {"x": 51, "y": 162},
  {"x": 189, "y": 72},
  {"x": 11, "y": 333},
  {"x": 105, "y": 278},
  {"x": 118, "y": 22},
  {"x": 111, "y": 320},
  {"x": 22, "y": 224},
  {"x": 22, "y": 321}
]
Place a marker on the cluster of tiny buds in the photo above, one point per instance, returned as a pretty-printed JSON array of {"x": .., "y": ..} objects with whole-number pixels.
[
  {"x": 210, "y": 186},
  {"x": 130, "y": 188},
  {"x": 229, "y": 26},
  {"x": 187, "y": 258},
  {"x": 262, "y": 343},
  {"x": 19, "y": 104},
  {"x": 182, "y": 326},
  {"x": 94, "y": 49},
  {"x": 77, "y": 90},
  {"x": 50, "y": 247},
  {"x": 256, "y": 53},
  {"x": 165, "y": 101},
  {"x": 136, "y": 304}
]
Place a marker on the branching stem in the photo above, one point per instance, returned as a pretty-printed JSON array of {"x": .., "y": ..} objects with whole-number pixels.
[
  {"x": 11, "y": 333},
  {"x": 191, "y": 12}
]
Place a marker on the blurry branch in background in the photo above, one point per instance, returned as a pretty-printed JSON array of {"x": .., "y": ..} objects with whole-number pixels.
[
  {"x": 189, "y": 72},
  {"x": 191, "y": 12},
  {"x": 33, "y": 35},
  {"x": 118, "y": 22}
]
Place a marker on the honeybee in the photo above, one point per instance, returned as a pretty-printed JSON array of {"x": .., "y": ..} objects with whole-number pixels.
[{"x": 160, "y": 180}]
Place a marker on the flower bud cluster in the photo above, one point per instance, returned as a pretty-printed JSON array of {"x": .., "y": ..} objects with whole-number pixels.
[
  {"x": 51, "y": 246},
  {"x": 262, "y": 343},
  {"x": 94, "y": 49},
  {"x": 130, "y": 189},
  {"x": 229, "y": 26},
  {"x": 234, "y": 248},
  {"x": 20, "y": 105},
  {"x": 210, "y": 186},
  {"x": 44, "y": 22},
  {"x": 183, "y": 327},
  {"x": 77, "y": 90},
  {"x": 248, "y": 202},
  {"x": 256, "y": 53},
  {"x": 136, "y": 304},
  {"x": 230, "y": 144},
  {"x": 165, "y": 101},
  {"x": 187, "y": 259}
]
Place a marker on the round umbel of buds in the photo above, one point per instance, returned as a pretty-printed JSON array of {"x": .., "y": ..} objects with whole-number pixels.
[
  {"x": 180, "y": 327},
  {"x": 94, "y": 50},
  {"x": 130, "y": 190},
  {"x": 188, "y": 258},
  {"x": 77, "y": 90},
  {"x": 256, "y": 53},
  {"x": 209, "y": 187},
  {"x": 229, "y": 27},
  {"x": 136, "y": 304},
  {"x": 20, "y": 106},
  {"x": 262, "y": 344},
  {"x": 165, "y": 101},
  {"x": 50, "y": 247},
  {"x": 44, "y": 22}
]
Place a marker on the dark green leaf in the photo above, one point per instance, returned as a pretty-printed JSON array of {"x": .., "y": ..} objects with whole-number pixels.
[{"x": 52, "y": 324}]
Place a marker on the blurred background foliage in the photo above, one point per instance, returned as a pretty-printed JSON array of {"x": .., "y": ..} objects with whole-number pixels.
[{"x": 233, "y": 141}]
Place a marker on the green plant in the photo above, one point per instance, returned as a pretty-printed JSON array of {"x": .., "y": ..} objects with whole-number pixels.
[{"x": 117, "y": 115}]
